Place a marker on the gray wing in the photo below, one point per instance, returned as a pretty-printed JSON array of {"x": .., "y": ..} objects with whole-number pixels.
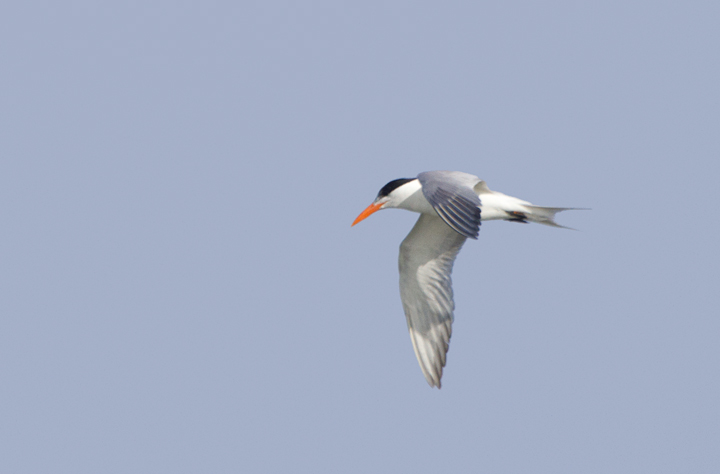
[
  {"x": 426, "y": 259},
  {"x": 452, "y": 196}
]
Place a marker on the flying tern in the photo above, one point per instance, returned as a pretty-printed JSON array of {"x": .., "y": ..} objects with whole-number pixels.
[{"x": 451, "y": 205}]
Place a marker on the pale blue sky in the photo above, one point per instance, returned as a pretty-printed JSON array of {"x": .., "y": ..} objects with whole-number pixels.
[{"x": 181, "y": 290}]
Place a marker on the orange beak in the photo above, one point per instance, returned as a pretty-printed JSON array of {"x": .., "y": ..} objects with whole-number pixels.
[{"x": 369, "y": 210}]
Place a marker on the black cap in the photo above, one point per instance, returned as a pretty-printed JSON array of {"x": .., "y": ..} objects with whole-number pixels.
[{"x": 393, "y": 185}]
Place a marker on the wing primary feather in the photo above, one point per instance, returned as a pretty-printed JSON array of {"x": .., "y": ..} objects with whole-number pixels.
[
  {"x": 456, "y": 223},
  {"x": 453, "y": 197},
  {"x": 460, "y": 212},
  {"x": 460, "y": 216},
  {"x": 448, "y": 219}
]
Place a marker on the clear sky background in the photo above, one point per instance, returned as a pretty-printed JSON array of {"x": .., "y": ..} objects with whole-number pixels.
[{"x": 181, "y": 290}]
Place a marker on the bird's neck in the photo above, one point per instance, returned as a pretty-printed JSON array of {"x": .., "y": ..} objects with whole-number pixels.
[{"x": 410, "y": 197}]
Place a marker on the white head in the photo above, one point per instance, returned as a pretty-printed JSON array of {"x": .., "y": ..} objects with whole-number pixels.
[{"x": 391, "y": 195}]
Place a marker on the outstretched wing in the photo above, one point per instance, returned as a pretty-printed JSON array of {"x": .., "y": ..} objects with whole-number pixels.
[
  {"x": 452, "y": 196},
  {"x": 426, "y": 259}
]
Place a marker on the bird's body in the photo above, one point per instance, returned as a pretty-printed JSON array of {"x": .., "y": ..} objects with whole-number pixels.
[{"x": 451, "y": 205}]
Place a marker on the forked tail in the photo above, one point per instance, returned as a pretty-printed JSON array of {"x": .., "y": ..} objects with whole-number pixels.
[{"x": 546, "y": 215}]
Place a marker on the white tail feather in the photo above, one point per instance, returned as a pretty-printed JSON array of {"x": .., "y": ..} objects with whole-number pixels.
[
  {"x": 546, "y": 215},
  {"x": 496, "y": 205}
]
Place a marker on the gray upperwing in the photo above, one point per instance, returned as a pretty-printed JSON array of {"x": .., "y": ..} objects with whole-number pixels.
[{"x": 452, "y": 196}]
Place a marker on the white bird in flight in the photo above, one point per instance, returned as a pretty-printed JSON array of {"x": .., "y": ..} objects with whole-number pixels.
[{"x": 451, "y": 205}]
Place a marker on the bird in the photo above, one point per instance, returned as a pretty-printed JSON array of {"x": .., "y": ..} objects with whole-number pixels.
[{"x": 452, "y": 205}]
